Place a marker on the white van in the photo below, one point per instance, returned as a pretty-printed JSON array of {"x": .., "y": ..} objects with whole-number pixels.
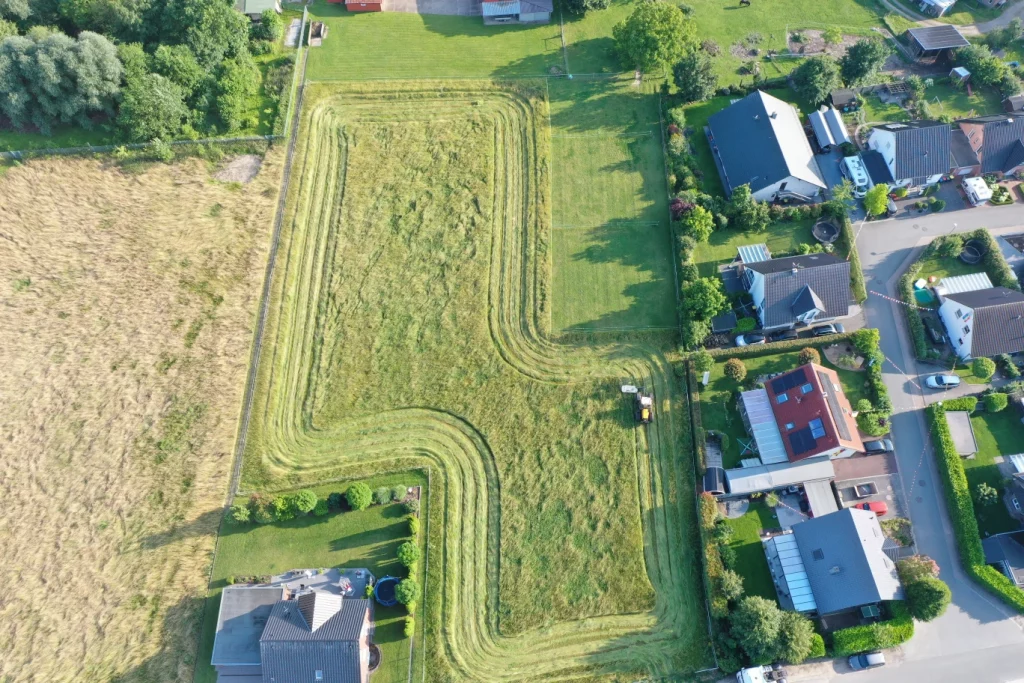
[{"x": 853, "y": 169}]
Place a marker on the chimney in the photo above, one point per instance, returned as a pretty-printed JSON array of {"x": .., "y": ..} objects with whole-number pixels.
[
  {"x": 774, "y": 114},
  {"x": 835, "y": 570}
]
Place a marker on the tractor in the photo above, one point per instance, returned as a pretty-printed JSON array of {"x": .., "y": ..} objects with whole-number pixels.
[{"x": 643, "y": 405}]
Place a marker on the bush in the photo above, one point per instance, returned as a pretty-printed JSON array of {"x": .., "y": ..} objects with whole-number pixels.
[
  {"x": 817, "y": 647},
  {"x": 873, "y": 423},
  {"x": 938, "y": 204},
  {"x": 261, "y": 508},
  {"x": 240, "y": 513},
  {"x": 409, "y": 630},
  {"x": 735, "y": 369},
  {"x": 381, "y": 495},
  {"x": 927, "y": 598},
  {"x": 730, "y": 585},
  {"x": 837, "y": 210},
  {"x": 996, "y": 401},
  {"x": 983, "y": 368},
  {"x": 321, "y": 508},
  {"x": 304, "y": 501},
  {"x": 407, "y": 591},
  {"x": 398, "y": 493},
  {"x": 877, "y": 636},
  {"x": 702, "y": 361},
  {"x": 283, "y": 509},
  {"x": 1009, "y": 368},
  {"x": 986, "y": 495},
  {"x": 994, "y": 262},
  {"x": 412, "y": 506},
  {"x": 359, "y": 496},
  {"x": 334, "y": 500},
  {"x": 745, "y": 325},
  {"x": 808, "y": 355},
  {"x": 914, "y": 322},
  {"x": 414, "y": 526},
  {"x": 408, "y": 553}
]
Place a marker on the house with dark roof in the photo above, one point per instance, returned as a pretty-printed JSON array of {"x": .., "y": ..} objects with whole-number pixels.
[
  {"x": 273, "y": 634},
  {"x": 984, "y": 322},
  {"x": 798, "y": 290},
  {"x": 917, "y": 153},
  {"x": 876, "y": 167},
  {"x": 759, "y": 141},
  {"x": 998, "y": 142},
  {"x": 833, "y": 564},
  {"x": 1005, "y": 552},
  {"x": 931, "y": 43}
]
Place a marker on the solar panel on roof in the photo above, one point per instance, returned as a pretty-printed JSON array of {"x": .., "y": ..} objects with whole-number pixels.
[
  {"x": 802, "y": 441},
  {"x": 789, "y": 380},
  {"x": 817, "y": 428}
]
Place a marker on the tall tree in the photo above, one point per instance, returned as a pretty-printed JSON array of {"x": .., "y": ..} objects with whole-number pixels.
[
  {"x": 876, "y": 200},
  {"x": 656, "y": 34},
  {"x": 152, "y": 107},
  {"x": 212, "y": 29},
  {"x": 755, "y": 624},
  {"x": 177, "y": 63},
  {"x": 815, "y": 78},
  {"x": 695, "y": 76},
  {"x": 863, "y": 60},
  {"x": 703, "y": 298},
  {"x": 238, "y": 81},
  {"x": 746, "y": 213},
  {"x": 927, "y": 598},
  {"x": 796, "y": 637},
  {"x": 985, "y": 68}
]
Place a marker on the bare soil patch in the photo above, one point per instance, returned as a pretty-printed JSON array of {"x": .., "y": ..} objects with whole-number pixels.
[
  {"x": 127, "y": 307},
  {"x": 813, "y": 43},
  {"x": 241, "y": 169}
]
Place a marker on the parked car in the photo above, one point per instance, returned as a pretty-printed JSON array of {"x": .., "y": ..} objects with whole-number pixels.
[
  {"x": 942, "y": 381},
  {"x": 785, "y": 335},
  {"x": 830, "y": 328},
  {"x": 878, "y": 446},
  {"x": 876, "y": 506},
  {"x": 749, "y": 339},
  {"x": 868, "y": 660}
]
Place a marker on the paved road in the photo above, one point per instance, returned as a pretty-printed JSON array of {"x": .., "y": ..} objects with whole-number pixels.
[{"x": 977, "y": 634}]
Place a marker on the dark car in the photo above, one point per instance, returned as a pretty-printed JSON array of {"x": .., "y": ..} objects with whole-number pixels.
[
  {"x": 878, "y": 446},
  {"x": 785, "y": 335},
  {"x": 825, "y": 330}
]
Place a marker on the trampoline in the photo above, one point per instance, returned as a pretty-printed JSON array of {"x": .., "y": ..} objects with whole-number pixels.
[
  {"x": 384, "y": 591},
  {"x": 825, "y": 231},
  {"x": 973, "y": 252}
]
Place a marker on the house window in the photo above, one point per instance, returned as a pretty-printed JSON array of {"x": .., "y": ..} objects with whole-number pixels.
[
  {"x": 319, "y": 675},
  {"x": 888, "y": 145},
  {"x": 818, "y": 554},
  {"x": 959, "y": 313},
  {"x": 960, "y": 341},
  {"x": 967, "y": 329},
  {"x": 789, "y": 425},
  {"x": 807, "y": 388},
  {"x": 817, "y": 428},
  {"x": 781, "y": 398}
]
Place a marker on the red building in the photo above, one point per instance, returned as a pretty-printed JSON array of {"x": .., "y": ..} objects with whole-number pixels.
[{"x": 358, "y": 6}]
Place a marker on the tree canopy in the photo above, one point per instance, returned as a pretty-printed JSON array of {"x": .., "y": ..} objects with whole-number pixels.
[
  {"x": 985, "y": 68},
  {"x": 746, "y": 213},
  {"x": 927, "y": 598},
  {"x": 359, "y": 496},
  {"x": 584, "y": 6},
  {"x": 703, "y": 298},
  {"x": 877, "y": 200},
  {"x": 863, "y": 60},
  {"x": 815, "y": 78},
  {"x": 695, "y": 77},
  {"x": 152, "y": 107},
  {"x": 656, "y": 34},
  {"x": 698, "y": 223},
  {"x": 767, "y": 633}
]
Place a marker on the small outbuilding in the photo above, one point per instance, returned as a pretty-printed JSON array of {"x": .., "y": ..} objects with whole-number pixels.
[
  {"x": 254, "y": 8},
  {"x": 845, "y": 100},
  {"x": 929, "y": 43},
  {"x": 517, "y": 11},
  {"x": 959, "y": 75},
  {"x": 1014, "y": 103}
]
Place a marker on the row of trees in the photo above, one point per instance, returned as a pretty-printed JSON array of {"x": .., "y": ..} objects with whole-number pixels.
[
  {"x": 264, "y": 509},
  {"x": 166, "y": 67}
]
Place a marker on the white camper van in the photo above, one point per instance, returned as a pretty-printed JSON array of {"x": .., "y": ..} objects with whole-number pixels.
[{"x": 853, "y": 169}]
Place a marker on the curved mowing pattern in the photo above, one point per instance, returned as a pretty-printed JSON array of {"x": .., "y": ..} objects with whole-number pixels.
[{"x": 463, "y": 637}]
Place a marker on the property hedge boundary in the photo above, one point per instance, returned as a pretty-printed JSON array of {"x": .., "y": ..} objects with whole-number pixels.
[
  {"x": 914, "y": 322},
  {"x": 961, "y": 508},
  {"x": 697, "y": 423},
  {"x": 877, "y": 636},
  {"x": 772, "y": 348},
  {"x": 846, "y": 241}
]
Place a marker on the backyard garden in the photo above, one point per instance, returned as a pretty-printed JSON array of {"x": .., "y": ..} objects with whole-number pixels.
[{"x": 999, "y": 435}]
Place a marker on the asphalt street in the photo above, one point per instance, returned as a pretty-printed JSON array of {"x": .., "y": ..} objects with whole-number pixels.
[{"x": 977, "y": 640}]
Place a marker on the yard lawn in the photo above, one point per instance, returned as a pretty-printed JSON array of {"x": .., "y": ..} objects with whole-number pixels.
[
  {"x": 876, "y": 111},
  {"x": 611, "y": 243},
  {"x": 751, "y": 562},
  {"x": 782, "y": 238},
  {"x": 997, "y": 434},
  {"x": 965, "y": 373},
  {"x": 63, "y": 136},
  {"x": 934, "y": 264},
  {"x": 718, "y": 408},
  {"x": 365, "y": 539},
  {"x": 958, "y": 104}
]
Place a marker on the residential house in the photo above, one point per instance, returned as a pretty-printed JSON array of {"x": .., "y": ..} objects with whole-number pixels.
[
  {"x": 931, "y": 43},
  {"x": 998, "y": 142},
  {"x": 1013, "y": 104},
  {"x": 1006, "y": 552},
  {"x": 876, "y": 167},
  {"x": 521, "y": 11},
  {"x": 798, "y": 290},
  {"x": 759, "y": 141},
  {"x": 917, "y": 153},
  {"x": 984, "y": 322},
  {"x": 833, "y": 564},
  {"x": 274, "y": 634}
]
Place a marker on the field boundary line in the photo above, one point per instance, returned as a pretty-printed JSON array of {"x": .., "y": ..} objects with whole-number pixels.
[
  {"x": 668, "y": 210},
  {"x": 561, "y": 33},
  {"x": 610, "y": 224},
  {"x": 257, "y": 343},
  {"x": 102, "y": 149},
  {"x": 606, "y": 135}
]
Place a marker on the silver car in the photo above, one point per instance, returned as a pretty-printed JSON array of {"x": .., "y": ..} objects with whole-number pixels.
[
  {"x": 942, "y": 381},
  {"x": 868, "y": 660}
]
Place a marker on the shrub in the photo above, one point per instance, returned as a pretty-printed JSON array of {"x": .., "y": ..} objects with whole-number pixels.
[
  {"x": 914, "y": 322},
  {"x": 358, "y": 496},
  {"x": 408, "y": 553},
  {"x": 409, "y": 630},
  {"x": 916, "y": 567},
  {"x": 986, "y": 495},
  {"x": 771, "y": 499},
  {"x": 873, "y": 423},
  {"x": 938, "y": 204},
  {"x": 745, "y": 325},
  {"x": 399, "y": 493},
  {"x": 321, "y": 508},
  {"x": 727, "y": 554},
  {"x": 240, "y": 513},
  {"x": 334, "y": 500},
  {"x": 866, "y": 340},
  {"x": 983, "y": 368},
  {"x": 1010, "y": 369},
  {"x": 381, "y": 495},
  {"x": 282, "y": 508},
  {"x": 702, "y": 361},
  {"x": 996, "y": 401},
  {"x": 808, "y": 355},
  {"x": 817, "y": 647},
  {"x": 304, "y": 501},
  {"x": 927, "y": 598},
  {"x": 407, "y": 591},
  {"x": 877, "y": 636},
  {"x": 735, "y": 369},
  {"x": 708, "y": 511},
  {"x": 414, "y": 526},
  {"x": 730, "y": 584},
  {"x": 262, "y": 509}
]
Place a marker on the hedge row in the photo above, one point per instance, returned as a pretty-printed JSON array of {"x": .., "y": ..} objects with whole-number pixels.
[
  {"x": 878, "y": 636},
  {"x": 961, "y": 508},
  {"x": 771, "y": 348},
  {"x": 698, "y": 425},
  {"x": 995, "y": 263},
  {"x": 860, "y": 291},
  {"x": 914, "y": 322}
]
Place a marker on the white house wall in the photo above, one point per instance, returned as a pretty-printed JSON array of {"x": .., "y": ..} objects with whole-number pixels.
[
  {"x": 757, "y": 293},
  {"x": 960, "y": 340}
]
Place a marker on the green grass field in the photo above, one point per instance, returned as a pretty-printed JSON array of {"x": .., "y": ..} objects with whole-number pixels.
[
  {"x": 718, "y": 408},
  {"x": 407, "y": 330},
  {"x": 751, "y": 563},
  {"x": 365, "y": 539},
  {"x": 997, "y": 434},
  {"x": 957, "y": 103},
  {"x": 782, "y": 238},
  {"x": 611, "y": 244}
]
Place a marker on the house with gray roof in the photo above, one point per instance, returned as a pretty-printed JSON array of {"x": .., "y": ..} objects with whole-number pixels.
[
  {"x": 917, "y": 153},
  {"x": 998, "y": 142},
  {"x": 984, "y": 322},
  {"x": 759, "y": 141},
  {"x": 798, "y": 290},
  {"x": 1006, "y": 552},
  {"x": 843, "y": 563},
  {"x": 275, "y": 634}
]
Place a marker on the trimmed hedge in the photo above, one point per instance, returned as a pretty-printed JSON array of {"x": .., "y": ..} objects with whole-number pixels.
[
  {"x": 878, "y": 636},
  {"x": 914, "y": 322},
  {"x": 771, "y": 348},
  {"x": 857, "y": 286},
  {"x": 698, "y": 426},
  {"x": 994, "y": 261},
  {"x": 961, "y": 508}
]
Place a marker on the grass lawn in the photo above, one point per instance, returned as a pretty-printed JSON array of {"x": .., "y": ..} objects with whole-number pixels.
[
  {"x": 965, "y": 373},
  {"x": 997, "y": 434},
  {"x": 63, "y": 136},
  {"x": 875, "y": 111},
  {"x": 751, "y": 563},
  {"x": 958, "y": 104},
  {"x": 782, "y": 238},
  {"x": 365, "y": 539},
  {"x": 718, "y": 408},
  {"x": 404, "y": 333},
  {"x": 934, "y": 264},
  {"x": 611, "y": 243}
]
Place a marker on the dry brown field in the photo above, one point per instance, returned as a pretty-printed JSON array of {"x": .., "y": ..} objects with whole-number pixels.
[{"x": 127, "y": 301}]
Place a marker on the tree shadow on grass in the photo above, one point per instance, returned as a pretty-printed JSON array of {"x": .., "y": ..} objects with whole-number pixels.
[{"x": 206, "y": 524}]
